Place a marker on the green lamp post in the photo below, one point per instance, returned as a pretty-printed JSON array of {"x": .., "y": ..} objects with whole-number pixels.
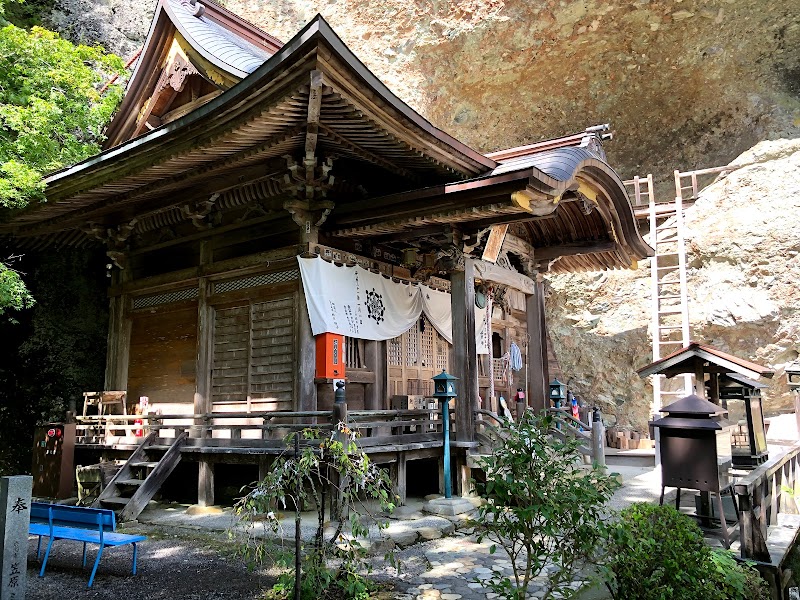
[
  {"x": 444, "y": 388},
  {"x": 558, "y": 393}
]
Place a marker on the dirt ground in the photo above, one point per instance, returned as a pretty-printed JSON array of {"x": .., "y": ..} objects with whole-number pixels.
[{"x": 189, "y": 567}]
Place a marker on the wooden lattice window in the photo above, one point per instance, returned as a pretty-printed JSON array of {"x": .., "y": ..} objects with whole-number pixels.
[
  {"x": 415, "y": 357},
  {"x": 253, "y": 353},
  {"x": 396, "y": 352}
]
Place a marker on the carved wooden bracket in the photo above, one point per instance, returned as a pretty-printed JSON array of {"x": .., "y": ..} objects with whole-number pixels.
[
  {"x": 174, "y": 74},
  {"x": 115, "y": 239},
  {"x": 308, "y": 205},
  {"x": 450, "y": 258},
  {"x": 200, "y": 211}
]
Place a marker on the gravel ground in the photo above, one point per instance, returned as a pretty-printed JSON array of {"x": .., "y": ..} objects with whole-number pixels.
[{"x": 188, "y": 567}]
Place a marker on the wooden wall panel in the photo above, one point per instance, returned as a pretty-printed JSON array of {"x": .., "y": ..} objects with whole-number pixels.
[
  {"x": 272, "y": 364},
  {"x": 162, "y": 356},
  {"x": 254, "y": 353},
  {"x": 230, "y": 354}
]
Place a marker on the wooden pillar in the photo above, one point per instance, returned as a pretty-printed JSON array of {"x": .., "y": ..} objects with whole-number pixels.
[
  {"x": 205, "y": 483},
  {"x": 699, "y": 378},
  {"x": 203, "y": 403},
  {"x": 538, "y": 368},
  {"x": 398, "y": 474},
  {"x": 119, "y": 344},
  {"x": 263, "y": 467},
  {"x": 713, "y": 380},
  {"x": 465, "y": 364},
  {"x": 375, "y": 361},
  {"x": 307, "y": 352}
]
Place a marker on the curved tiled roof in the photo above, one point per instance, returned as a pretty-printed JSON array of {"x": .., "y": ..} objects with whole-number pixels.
[{"x": 218, "y": 44}]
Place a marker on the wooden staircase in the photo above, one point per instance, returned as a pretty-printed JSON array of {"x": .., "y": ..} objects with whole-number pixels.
[
  {"x": 669, "y": 308},
  {"x": 140, "y": 478}
]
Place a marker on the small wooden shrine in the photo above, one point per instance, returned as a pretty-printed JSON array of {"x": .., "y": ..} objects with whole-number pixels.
[{"x": 729, "y": 382}]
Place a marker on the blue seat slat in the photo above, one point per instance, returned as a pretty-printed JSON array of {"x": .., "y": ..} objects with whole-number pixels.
[
  {"x": 87, "y": 535},
  {"x": 79, "y": 524}
]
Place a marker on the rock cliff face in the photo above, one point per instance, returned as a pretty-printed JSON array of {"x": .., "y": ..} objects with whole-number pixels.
[
  {"x": 685, "y": 83},
  {"x": 743, "y": 256}
]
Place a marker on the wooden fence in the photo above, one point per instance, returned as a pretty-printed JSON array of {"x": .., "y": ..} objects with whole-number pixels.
[{"x": 768, "y": 523}]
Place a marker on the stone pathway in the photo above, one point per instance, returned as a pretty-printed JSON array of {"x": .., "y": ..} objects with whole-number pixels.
[
  {"x": 456, "y": 568},
  {"x": 441, "y": 557}
]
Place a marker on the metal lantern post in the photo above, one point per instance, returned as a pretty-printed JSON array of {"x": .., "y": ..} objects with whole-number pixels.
[
  {"x": 444, "y": 388},
  {"x": 558, "y": 393}
]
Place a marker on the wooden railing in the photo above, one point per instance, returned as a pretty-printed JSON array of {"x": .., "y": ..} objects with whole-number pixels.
[
  {"x": 763, "y": 495},
  {"x": 489, "y": 428},
  {"x": 260, "y": 428},
  {"x": 565, "y": 425}
]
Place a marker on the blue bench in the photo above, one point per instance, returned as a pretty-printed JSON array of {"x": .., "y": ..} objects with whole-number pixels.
[{"x": 87, "y": 525}]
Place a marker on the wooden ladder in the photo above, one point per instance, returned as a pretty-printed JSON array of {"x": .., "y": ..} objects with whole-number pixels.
[
  {"x": 669, "y": 306},
  {"x": 140, "y": 478}
]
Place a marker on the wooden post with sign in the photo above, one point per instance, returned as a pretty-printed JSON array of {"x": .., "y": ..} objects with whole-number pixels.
[{"x": 15, "y": 517}]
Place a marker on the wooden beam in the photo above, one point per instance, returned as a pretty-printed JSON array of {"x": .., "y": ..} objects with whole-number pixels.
[
  {"x": 465, "y": 358},
  {"x": 366, "y": 154},
  {"x": 486, "y": 271},
  {"x": 312, "y": 124},
  {"x": 305, "y": 387},
  {"x": 553, "y": 252},
  {"x": 538, "y": 371}
]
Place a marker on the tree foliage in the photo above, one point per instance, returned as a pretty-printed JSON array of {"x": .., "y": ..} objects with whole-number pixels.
[
  {"x": 543, "y": 508},
  {"x": 52, "y": 115},
  {"x": 51, "y": 112},
  {"x": 13, "y": 293}
]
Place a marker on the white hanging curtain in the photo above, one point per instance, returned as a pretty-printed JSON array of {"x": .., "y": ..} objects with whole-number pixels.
[
  {"x": 358, "y": 303},
  {"x": 436, "y": 306}
]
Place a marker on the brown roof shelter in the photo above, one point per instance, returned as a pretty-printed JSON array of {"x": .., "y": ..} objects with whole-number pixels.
[
  {"x": 700, "y": 360},
  {"x": 233, "y": 153}
]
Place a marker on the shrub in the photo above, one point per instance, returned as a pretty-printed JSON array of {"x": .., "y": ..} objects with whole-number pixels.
[
  {"x": 655, "y": 553},
  {"x": 328, "y": 463},
  {"x": 542, "y": 508}
]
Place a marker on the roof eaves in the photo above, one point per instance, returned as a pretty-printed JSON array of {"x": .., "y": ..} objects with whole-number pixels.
[{"x": 317, "y": 28}]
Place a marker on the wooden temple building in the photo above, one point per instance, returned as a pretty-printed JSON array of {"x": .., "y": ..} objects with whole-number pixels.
[{"x": 233, "y": 154}]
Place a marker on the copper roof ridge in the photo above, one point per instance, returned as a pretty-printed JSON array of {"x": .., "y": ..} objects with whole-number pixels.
[{"x": 575, "y": 139}]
